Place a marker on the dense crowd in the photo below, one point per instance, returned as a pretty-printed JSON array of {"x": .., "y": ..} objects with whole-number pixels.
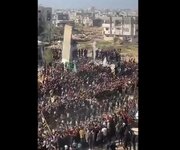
[{"x": 88, "y": 107}]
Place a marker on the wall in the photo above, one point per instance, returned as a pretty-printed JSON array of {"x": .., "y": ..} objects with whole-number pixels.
[
  {"x": 66, "y": 52},
  {"x": 63, "y": 22},
  {"x": 127, "y": 29},
  {"x": 108, "y": 38},
  {"x": 106, "y": 28}
]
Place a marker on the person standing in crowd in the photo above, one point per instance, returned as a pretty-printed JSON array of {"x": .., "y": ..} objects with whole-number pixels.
[
  {"x": 99, "y": 138},
  {"x": 82, "y": 135},
  {"x": 127, "y": 139},
  {"x": 61, "y": 142},
  {"x": 85, "y": 53},
  {"x": 118, "y": 131},
  {"x": 104, "y": 132},
  {"x": 79, "y": 53},
  {"x": 134, "y": 140},
  {"x": 90, "y": 140},
  {"x": 97, "y": 54},
  {"x": 121, "y": 133},
  {"x": 113, "y": 146}
]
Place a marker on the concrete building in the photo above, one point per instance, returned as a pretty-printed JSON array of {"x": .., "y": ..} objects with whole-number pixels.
[
  {"x": 97, "y": 22},
  {"x": 44, "y": 18},
  {"x": 126, "y": 28},
  {"x": 60, "y": 19},
  {"x": 84, "y": 18},
  {"x": 87, "y": 21},
  {"x": 44, "y": 14},
  {"x": 72, "y": 15}
]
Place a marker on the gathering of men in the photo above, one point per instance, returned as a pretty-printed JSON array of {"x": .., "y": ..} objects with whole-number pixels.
[{"x": 88, "y": 106}]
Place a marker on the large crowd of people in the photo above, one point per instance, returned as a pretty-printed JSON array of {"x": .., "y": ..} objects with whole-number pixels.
[{"x": 89, "y": 107}]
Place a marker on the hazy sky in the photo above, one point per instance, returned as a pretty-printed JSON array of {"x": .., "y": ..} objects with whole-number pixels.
[{"x": 111, "y": 4}]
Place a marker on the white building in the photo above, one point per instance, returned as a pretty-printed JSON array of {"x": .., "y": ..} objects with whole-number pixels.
[{"x": 122, "y": 27}]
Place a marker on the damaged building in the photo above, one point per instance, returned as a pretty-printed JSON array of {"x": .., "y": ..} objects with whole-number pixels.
[{"x": 126, "y": 28}]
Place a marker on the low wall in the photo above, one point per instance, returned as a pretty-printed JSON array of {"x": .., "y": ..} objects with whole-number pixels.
[{"x": 108, "y": 38}]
